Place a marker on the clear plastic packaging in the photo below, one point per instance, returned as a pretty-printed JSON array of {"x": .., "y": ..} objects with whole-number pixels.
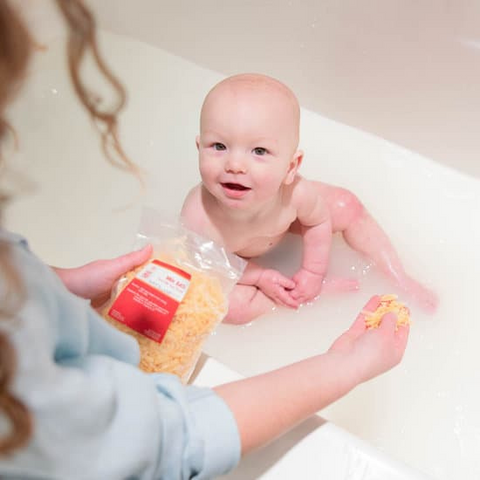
[{"x": 173, "y": 302}]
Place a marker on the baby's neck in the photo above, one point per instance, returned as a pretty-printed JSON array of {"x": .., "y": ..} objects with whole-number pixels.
[{"x": 242, "y": 216}]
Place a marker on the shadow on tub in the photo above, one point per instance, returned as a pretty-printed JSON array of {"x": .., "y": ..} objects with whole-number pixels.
[{"x": 258, "y": 463}]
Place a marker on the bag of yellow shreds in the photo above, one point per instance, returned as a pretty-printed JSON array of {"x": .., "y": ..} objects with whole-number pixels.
[{"x": 173, "y": 302}]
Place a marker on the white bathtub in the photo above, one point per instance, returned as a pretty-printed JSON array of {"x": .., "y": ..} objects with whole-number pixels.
[{"x": 408, "y": 73}]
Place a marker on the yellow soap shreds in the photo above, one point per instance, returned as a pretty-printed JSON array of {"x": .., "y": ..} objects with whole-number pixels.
[
  {"x": 201, "y": 310},
  {"x": 388, "y": 303}
]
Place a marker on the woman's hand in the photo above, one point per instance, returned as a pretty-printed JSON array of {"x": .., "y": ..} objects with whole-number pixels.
[
  {"x": 94, "y": 281},
  {"x": 311, "y": 384},
  {"x": 372, "y": 352}
]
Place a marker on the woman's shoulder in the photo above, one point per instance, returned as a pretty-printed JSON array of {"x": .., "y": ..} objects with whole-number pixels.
[
  {"x": 30, "y": 268},
  {"x": 13, "y": 238}
]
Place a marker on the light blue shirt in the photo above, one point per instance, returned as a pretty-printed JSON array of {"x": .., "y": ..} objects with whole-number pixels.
[{"x": 96, "y": 416}]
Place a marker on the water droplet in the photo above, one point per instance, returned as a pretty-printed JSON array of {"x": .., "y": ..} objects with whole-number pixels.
[
  {"x": 54, "y": 90},
  {"x": 366, "y": 270}
]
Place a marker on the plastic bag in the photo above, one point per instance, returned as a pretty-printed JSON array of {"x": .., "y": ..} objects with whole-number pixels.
[{"x": 173, "y": 302}]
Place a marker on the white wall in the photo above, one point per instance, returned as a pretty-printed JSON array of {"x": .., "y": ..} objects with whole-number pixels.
[{"x": 406, "y": 70}]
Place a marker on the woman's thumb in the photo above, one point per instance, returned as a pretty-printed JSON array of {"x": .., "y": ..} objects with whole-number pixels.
[
  {"x": 126, "y": 262},
  {"x": 389, "y": 321}
]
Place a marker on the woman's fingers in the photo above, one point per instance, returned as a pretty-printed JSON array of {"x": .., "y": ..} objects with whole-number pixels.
[
  {"x": 402, "y": 336},
  {"x": 126, "y": 262},
  {"x": 358, "y": 326}
]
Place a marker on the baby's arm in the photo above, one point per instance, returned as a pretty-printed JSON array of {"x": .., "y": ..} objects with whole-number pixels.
[
  {"x": 271, "y": 282},
  {"x": 315, "y": 227}
]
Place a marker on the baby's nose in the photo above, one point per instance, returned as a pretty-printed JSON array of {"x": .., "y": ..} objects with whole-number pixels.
[{"x": 236, "y": 164}]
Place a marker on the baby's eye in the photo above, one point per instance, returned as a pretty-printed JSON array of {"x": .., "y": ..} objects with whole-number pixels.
[
  {"x": 260, "y": 151},
  {"x": 219, "y": 146}
]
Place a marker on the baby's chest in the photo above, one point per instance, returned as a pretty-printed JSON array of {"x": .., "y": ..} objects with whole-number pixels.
[
  {"x": 258, "y": 246},
  {"x": 255, "y": 240}
]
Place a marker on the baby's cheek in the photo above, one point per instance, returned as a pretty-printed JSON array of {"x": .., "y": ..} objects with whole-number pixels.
[
  {"x": 207, "y": 170},
  {"x": 270, "y": 184}
]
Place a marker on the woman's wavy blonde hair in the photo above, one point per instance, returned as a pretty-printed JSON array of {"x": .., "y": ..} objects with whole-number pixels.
[{"x": 16, "y": 46}]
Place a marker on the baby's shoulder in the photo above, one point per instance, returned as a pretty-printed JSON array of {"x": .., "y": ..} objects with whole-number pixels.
[
  {"x": 307, "y": 199},
  {"x": 192, "y": 209},
  {"x": 304, "y": 190},
  {"x": 195, "y": 215},
  {"x": 193, "y": 199}
]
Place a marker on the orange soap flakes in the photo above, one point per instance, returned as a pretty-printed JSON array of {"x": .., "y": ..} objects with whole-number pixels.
[{"x": 388, "y": 303}]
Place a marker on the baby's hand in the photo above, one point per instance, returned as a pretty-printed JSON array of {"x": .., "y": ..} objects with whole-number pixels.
[
  {"x": 307, "y": 285},
  {"x": 369, "y": 353},
  {"x": 277, "y": 287}
]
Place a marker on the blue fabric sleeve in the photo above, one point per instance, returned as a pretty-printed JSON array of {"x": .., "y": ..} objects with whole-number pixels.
[{"x": 96, "y": 415}]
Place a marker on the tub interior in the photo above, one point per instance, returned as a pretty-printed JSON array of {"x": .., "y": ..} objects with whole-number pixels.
[{"x": 74, "y": 207}]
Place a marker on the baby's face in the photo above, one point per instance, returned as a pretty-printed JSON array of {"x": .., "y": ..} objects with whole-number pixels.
[{"x": 247, "y": 144}]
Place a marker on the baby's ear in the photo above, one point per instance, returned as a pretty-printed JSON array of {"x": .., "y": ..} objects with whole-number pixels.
[
  {"x": 197, "y": 141},
  {"x": 293, "y": 167}
]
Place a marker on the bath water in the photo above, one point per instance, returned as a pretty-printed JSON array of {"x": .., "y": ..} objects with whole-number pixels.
[{"x": 74, "y": 207}]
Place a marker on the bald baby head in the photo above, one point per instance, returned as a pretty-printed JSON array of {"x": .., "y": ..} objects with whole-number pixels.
[{"x": 261, "y": 89}]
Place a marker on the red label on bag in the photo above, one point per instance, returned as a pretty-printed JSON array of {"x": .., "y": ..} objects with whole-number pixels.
[{"x": 149, "y": 302}]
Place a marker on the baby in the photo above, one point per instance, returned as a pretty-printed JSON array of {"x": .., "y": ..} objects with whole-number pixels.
[{"x": 251, "y": 195}]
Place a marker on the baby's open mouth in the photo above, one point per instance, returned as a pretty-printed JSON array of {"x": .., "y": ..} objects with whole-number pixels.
[{"x": 234, "y": 186}]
